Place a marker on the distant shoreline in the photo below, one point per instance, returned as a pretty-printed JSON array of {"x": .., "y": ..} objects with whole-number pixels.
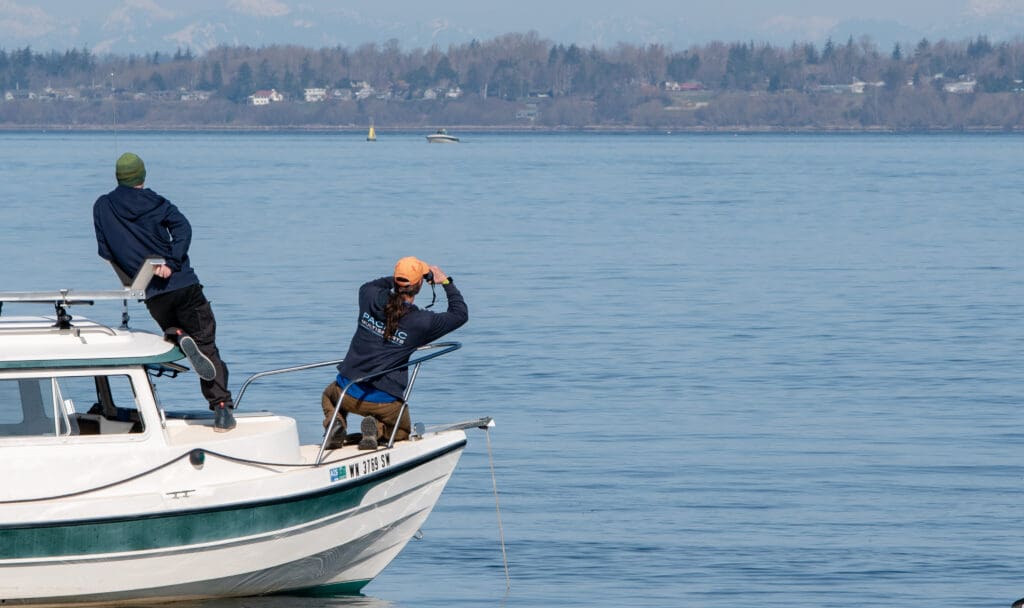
[{"x": 10, "y": 128}]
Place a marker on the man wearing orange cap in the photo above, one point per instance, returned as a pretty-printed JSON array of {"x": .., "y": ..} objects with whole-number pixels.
[{"x": 390, "y": 328}]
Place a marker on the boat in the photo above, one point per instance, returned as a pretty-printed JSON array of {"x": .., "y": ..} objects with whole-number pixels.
[
  {"x": 110, "y": 496},
  {"x": 372, "y": 135},
  {"x": 441, "y": 136}
]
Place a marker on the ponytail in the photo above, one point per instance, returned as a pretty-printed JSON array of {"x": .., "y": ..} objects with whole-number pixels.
[{"x": 396, "y": 308}]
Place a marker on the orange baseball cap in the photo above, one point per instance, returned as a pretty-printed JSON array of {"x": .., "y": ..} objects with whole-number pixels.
[{"x": 410, "y": 270}]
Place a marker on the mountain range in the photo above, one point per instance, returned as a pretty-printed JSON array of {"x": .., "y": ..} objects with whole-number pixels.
[{"x": 143, "y": 26}]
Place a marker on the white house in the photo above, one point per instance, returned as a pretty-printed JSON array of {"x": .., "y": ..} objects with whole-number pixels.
[
  {"x": 961, "y": 86},
  {"x": 195, "y": 95},
  {"x": 19, "y": 94},
  {"x": 262, "y": 98},
  {"x": 315, "y": 94}
]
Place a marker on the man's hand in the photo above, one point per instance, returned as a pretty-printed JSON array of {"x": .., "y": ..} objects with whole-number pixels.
[{"x": 163, "y": 271}]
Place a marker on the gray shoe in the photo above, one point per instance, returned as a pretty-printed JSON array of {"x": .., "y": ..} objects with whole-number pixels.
[
  {"x": 223, "y": 419},
  {"x": 368, "y": 427},
  {"x": 200, "y": 362},
  {"x": 337, "y": 440}
]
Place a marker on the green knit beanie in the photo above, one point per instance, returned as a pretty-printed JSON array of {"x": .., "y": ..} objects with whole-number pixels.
[{"x": 130, "y": 170}]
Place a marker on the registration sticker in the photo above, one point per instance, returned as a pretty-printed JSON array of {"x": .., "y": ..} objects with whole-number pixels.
[{"x": 338, "y": 473}]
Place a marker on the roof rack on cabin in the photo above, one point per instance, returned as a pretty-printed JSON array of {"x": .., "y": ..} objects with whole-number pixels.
[{"x": 132, "y": 289}]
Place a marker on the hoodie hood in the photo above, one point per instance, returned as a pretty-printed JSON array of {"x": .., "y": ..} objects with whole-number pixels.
[{"x": 132, "y": 203}]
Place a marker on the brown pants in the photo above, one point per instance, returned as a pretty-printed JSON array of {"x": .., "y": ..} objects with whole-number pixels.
[{"x": 385, "y": 413}]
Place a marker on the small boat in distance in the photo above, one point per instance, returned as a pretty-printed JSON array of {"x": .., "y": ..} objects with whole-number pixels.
[
  {"x": 372, "y": 135},
  {"x": 441, "y": 137}
]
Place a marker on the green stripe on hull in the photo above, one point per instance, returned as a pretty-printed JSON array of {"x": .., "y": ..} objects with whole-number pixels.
[
  {"x": 347, "y": 588},
  {"x": 173, "y": 530},
  {"x": 167, "y": 531}
]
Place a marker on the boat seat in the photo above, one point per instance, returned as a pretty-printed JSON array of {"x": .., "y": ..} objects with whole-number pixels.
[
  {"x": 114, "y": 419},
  {"x": 87, "y": 426}
]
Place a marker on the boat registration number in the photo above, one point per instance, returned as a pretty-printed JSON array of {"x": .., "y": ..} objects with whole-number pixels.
[{"x": 374, "y": 463}]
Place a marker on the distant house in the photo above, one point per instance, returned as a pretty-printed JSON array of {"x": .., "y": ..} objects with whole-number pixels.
[
  {"x": 686, "y": 105},
  {"x": 19, "y": 94},
  {"x": 960, "y": 86},
  {"x": 315, "y": 94},
  {"x": 362, "y": 90},
  {"x": 262, "y": 98},
  {"x": 671, "y": 85},
  {"x": 454, "y": 93},
  {"x": 856, "y": 87},
  {"x": 527, "y": 112},
  {"x": 58, "y": 94},
  {"x": 195, "y": 96},
  {"x": 832, "y": 88},
  {"x": 365, "y": 92}
]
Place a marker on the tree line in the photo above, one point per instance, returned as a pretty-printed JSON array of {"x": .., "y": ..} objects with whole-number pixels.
[{"x": 523, "y": 80}]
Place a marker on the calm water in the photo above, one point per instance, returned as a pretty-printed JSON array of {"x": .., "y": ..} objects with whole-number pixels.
[{"x": 726, "y": 370}]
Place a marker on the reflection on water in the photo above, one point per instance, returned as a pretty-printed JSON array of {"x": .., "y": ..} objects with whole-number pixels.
[{"x": 288, "y": 601}]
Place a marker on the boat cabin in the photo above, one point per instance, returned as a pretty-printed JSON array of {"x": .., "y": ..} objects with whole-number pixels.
[{"x": 87, "y": 379}]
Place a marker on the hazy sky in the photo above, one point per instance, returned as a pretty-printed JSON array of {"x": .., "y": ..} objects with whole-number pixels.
[
  {"x": 20, "y": 20},
  {"x": 543, "y": 12}
]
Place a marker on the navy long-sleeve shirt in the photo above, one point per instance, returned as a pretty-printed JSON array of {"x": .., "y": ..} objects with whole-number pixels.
[
  {"x": 368, "y": 353},
  {"x": 133, "y": 223}
]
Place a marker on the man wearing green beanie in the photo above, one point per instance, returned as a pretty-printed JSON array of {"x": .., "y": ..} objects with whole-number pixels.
[
  {"x": 130, "y": 170},
  {"x": 132, "y": 223}
]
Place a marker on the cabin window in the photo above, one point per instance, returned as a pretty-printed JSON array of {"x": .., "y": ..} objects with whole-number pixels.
[{"x": 68, "y": 405}]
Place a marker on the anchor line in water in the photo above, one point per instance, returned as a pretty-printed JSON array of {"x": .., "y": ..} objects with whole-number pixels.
[{"x": 497, "y": 508}]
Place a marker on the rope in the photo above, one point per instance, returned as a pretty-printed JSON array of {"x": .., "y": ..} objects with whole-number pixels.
[
  {"x": 98, "y": 488},
  {"x": 497, "y": 507},
  {"x": 161, "y": 466}
]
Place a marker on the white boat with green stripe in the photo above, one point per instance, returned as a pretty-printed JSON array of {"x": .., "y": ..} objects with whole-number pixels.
[{"x": 109, "y": 497}]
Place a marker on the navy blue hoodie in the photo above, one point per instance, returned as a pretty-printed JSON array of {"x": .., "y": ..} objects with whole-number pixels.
[
  {"x": 368, "y": 353},
  {"x": 133, "y": 223}
]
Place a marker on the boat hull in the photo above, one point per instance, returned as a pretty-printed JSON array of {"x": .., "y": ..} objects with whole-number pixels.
[{"x": 333, "y": 538}]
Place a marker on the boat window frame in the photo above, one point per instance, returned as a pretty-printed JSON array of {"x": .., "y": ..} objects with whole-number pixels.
[{"x": 62, "y": 412}]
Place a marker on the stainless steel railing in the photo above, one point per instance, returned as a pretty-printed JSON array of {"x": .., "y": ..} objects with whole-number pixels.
[{"x": 432, "y": 352}]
